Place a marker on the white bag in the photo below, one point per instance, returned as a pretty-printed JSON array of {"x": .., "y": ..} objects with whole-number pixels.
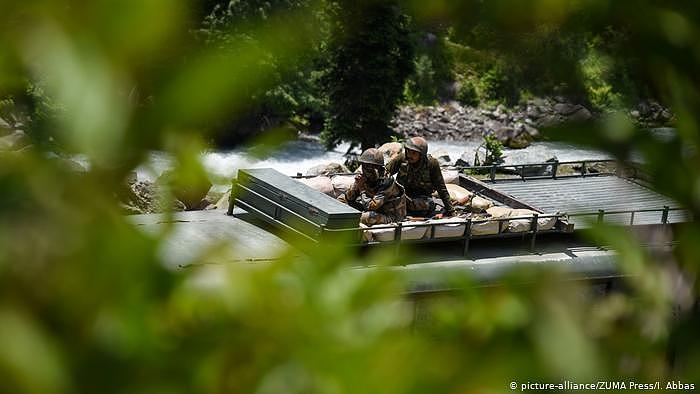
[
  {"x": 485, "y": 228},
  {"x": 408, "y": 232},
  {"x": 448, "y": 228},
  {"x": 365, "y": 233}
]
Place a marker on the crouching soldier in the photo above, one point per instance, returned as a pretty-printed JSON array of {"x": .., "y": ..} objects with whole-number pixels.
[
  {"x": 381, "y": 199},
  {"x": 420, "y": 175}
]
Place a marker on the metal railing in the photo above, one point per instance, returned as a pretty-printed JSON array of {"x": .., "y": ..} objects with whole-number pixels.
[
  {"x": 600, "y": 214},
  {"x": 585, "y": 169},
  {"x": 522, "y": 169},
  {"x": 466, "y": 235},
  {"x": 561, "y": 220}
]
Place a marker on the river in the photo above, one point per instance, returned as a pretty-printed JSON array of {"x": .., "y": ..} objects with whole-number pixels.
[{"x": 300, "y": 155}]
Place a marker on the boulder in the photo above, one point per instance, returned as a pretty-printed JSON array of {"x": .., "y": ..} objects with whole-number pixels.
[
  {"x": 450, "y": 176},
  {"x": 190, "y": 191},
  {"x": 512, "y": 138},
  {"x": 464, "y": 160},
  {"x": 566, "y": 108},
  {"x": 521, "y": 140},
  {"x": 15, "y": 141},
  {"x": 442, "y": 156},
  {"x": 148, "y": 197},
  {"x": 222, "y": 204},
  {"x": 581, "y": 115}
]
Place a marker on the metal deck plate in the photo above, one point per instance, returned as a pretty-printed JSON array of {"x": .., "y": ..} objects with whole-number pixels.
[{"x": 589, "y": 194}]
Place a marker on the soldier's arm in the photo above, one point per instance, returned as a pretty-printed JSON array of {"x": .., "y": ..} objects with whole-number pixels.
[
  {"x": 439, "y": 185},
  {"x": 373, "y": 203}
]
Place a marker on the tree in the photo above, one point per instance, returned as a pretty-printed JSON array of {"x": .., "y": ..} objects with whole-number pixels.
[
  {"x": 370, "y": 59},
  {"x": 291, "y": 92}
]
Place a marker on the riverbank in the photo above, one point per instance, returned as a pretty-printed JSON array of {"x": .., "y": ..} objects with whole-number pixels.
[{"x": 516, "y": 127}]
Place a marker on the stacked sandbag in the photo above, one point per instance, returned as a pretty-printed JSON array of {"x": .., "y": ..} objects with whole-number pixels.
[
  {"x": 365, "y": 233},
  {"x": 522, "y": 225},
  {"x": 480, "y": 204},
  {"x": 327, "y": 169},
  {"x": 449, "y": 228},
  {"x": 500, "y": 212},
  {"x": 459, "y": 195},
  {"x": 409, "y": 231},
  {"x": 320, "y": 183},
  {"x": 341, "y": 184},
  {"x": 390, "y": 150},
  {"x": 482, "y": 225}
]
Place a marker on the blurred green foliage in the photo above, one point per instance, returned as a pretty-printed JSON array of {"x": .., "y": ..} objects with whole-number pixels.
[{"x": 86, "y": 304}]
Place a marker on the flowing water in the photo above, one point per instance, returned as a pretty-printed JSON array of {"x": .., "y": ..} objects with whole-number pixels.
[{"x": 298, "y": 156}]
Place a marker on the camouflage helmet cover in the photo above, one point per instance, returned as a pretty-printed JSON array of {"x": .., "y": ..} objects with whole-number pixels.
[
  {"x": 372, "y": 156},
  {"x": 418, "y": 144}
]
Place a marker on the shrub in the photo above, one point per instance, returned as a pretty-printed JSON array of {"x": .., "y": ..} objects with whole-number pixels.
[
  {"x": 467, "y": 94},
  {"x": 497, "y": 84}
]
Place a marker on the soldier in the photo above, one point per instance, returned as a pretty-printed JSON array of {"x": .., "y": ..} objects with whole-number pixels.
[
  {"x": 420, "y": 175},
  {"x": 381, "y": 199}
]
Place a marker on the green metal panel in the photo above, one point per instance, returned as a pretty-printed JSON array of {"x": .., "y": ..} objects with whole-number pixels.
[{"x": 271, "y": 190}]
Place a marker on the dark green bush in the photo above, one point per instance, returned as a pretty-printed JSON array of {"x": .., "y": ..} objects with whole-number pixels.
[
  {"x": 499, "y": 84},
  {"x": 467, "y": 94}
]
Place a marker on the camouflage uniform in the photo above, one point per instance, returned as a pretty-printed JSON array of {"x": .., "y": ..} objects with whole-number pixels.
[
  {"x": 382, "y": 202},
  {"x": 420, "y": 181}
]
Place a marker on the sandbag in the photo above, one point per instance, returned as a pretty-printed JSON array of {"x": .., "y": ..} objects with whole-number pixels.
[
  {"x": 391, "y": 150},
  {"x": 448, "y": 228},
  {"x": 458, "y": 194},
  {"x": 327, "y": 169},
  {"x": 485, "y": 228},
  {"x": 480, "y": 204},
  {"x": 341, "y": 184},
  {"x": 499, "y": 212},
  {"x": 522, "y": 225},
  {"x": 408, "y": 232},
  {"x": 320, "y": 183},
  {"x": 365, "y": 233}
]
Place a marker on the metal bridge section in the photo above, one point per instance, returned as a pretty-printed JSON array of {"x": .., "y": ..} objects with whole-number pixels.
[{"x": 606, "y": 198}]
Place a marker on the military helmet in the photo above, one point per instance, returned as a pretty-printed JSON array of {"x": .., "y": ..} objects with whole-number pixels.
[
  {"x": 418, "y": 144},
  {"x": 372, "y": 156}
]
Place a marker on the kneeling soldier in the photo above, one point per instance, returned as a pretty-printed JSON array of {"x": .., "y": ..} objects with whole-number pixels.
[
  {"x": 419, "y": 173},
  {"x": 381, "y": 199}
]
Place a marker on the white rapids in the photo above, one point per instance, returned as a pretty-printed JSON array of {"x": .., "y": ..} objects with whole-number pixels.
[{"x": 298, "y": 156}]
